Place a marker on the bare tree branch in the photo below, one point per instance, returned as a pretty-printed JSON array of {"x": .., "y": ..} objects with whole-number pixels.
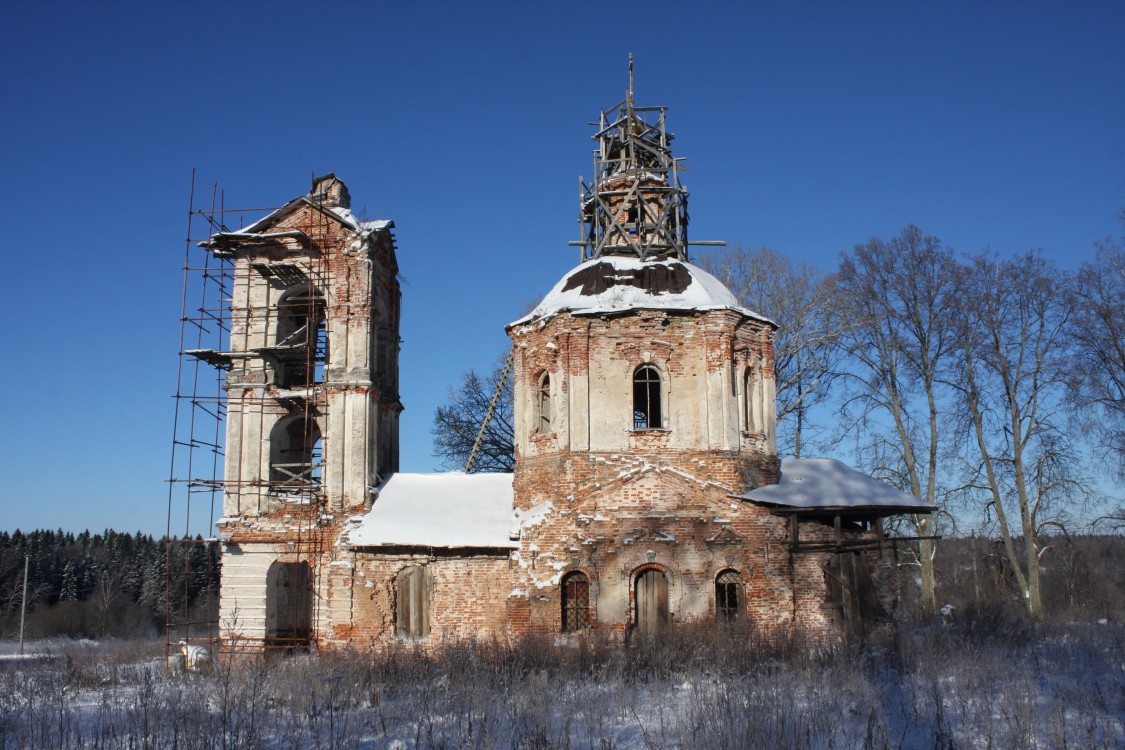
[
  {"x": 1097, "y": 376},
  {"x": 456, "y": 424},
  {"x": 800, "y": 298}
]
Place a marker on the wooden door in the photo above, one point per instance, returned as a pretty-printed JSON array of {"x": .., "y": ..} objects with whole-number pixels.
[
  {"x": 652, "y": 602},
  {"x": 412, "y": 608}
]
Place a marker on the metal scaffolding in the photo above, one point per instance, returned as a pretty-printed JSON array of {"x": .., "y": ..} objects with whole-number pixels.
[
  {"x": 635, "y": 204},
  {"x": 210, "y": 362}
]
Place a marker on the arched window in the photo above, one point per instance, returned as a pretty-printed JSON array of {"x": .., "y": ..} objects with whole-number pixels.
[
  {"x": 412, "y": 602},
  {"x": 647, "y": 413},
  {"x": 728, "y": 602},
  {"x": 295, "y": 453},
  {"x": 543, "y": 404},
  {"x": 575, "y": 602},
  {"x": 301, "y": 347}
]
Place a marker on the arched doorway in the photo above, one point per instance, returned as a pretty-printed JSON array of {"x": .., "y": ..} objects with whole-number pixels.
[
  {"x": 651, "y": 602},
  {"x": 288, "y": 614}
]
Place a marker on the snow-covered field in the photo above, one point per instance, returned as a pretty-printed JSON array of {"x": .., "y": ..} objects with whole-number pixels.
[{"x": 1053, "y": 686}]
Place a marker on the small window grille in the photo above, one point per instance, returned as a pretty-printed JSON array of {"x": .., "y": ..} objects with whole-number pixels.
[
  {"x": 575, "y": 603},
  {"x": 727, "y": 604},
  {"x": 647, "y": 413}
]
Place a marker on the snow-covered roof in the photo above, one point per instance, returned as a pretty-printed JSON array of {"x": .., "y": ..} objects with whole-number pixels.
[
  {"x": 828, "y": 484},
  {"x": 344, "y": 214},
  {"x": 450, "y": 510},
  {"x": 616, "y": 283},
  {"x": 349, "y": 218}
]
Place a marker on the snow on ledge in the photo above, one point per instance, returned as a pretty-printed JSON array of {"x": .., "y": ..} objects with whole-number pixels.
[{"x": 449, "y": 510}]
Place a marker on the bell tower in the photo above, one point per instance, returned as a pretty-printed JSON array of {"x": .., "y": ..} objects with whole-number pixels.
[{"x": 312, "y": 403}]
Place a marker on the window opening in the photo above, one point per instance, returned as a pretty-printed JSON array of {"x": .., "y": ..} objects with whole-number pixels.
[
  {"x": 646, "y": 399},
  {"x": 544, "y": 404},
  {"x": 302, "y": 338},
  {"x": 575, "y": 603},
  {"x": 412, "y": 605},
  {"x": 727, "y": 600},
  {"x": 295, "y": 453},
  {"x": 633, "y": 217}
]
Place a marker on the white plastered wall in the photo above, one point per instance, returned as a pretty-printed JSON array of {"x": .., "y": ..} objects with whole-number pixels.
[{"x": 242, "y": 606}]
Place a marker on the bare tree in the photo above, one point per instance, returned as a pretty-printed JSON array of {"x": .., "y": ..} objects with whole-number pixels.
[
  {"x": 1098, "y": 369},
  {"x": 801, "y": 300},
  {"x": 107, "y": 595},
  {"x": 457, "y": 424},
  {"x": 898, "y": 295},
  {"x": 1013, "y": 361}
]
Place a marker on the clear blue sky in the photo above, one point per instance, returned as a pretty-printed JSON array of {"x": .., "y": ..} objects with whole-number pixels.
[{"x": 807, "y": 127}]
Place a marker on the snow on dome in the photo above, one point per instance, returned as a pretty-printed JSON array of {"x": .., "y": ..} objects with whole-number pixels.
[
  {"x": 450, "y": 510},
  {"x": 615, "y": 283},
  {"x": 827, "y": 483}
]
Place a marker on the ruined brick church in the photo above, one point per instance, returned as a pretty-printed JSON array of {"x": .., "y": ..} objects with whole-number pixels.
[{"x": 647, "y": 489}]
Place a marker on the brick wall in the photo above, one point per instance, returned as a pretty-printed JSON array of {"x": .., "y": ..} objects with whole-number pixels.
[
  {"x": 597, "y": 496},
  {"x": 468, "y": 596}
]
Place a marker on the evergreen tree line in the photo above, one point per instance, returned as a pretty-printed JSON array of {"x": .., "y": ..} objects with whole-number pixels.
[{"x": 94, "y": 585}]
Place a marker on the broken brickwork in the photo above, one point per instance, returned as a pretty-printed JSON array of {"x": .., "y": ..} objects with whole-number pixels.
[{"x": 597, "y": 496}]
